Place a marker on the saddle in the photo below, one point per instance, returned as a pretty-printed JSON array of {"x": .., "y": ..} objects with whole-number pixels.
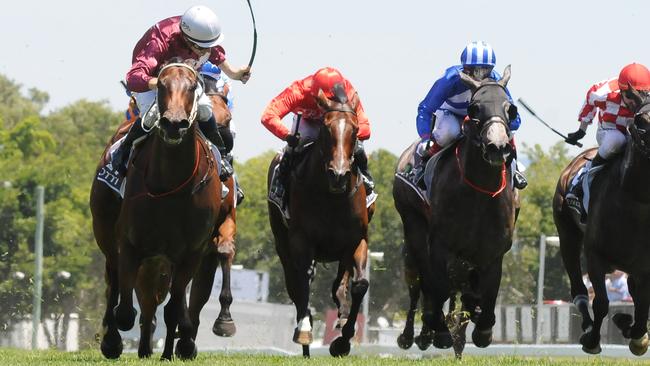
[{"x": 578, "y": 195}]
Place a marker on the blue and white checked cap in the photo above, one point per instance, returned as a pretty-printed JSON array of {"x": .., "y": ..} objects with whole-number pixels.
[{"x": 478, "y": 53}]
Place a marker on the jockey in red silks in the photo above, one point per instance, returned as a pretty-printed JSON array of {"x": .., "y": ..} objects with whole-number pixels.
[
  {"x": 609, "y": 98},
  {"x": 195, "y": 35},
  {"x": 300, "y": 97}
]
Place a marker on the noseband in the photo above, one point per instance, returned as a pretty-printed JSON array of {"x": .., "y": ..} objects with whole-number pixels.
[{"x": 195, "y": 103}]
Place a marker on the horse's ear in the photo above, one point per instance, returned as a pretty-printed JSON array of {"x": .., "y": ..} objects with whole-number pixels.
[
  {"x": 322, "y": 100},
  {"x": 469, "y": 81},
  {"x": 354, "y": 101},
  {"x": 506, "y": 77},
  {"x": 635, "y": 95}
]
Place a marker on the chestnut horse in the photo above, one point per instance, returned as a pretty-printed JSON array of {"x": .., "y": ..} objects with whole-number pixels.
[
  {"x": 203, "y": 280},
  {"x": 615, "y": 235},
  {"x": 153, "y": 237},
  {"x": 472, "y": 213},
  {"x": 329, "y": 222}
]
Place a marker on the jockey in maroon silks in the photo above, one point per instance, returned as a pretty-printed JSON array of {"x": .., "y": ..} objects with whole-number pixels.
[
  {"x": 194, "y": 36},
  {"x": 300, "y": 97}
]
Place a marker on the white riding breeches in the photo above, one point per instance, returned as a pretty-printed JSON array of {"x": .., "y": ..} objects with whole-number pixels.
[
  {"x": 447, "y": 128},
  {"x": 610, "y": 142},
  {"x": 149, "y": 108}
]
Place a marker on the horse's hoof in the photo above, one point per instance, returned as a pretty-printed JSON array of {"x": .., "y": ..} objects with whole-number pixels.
[
  {"x": 639, "y": 347},
  {"x": 623, "y": 322},
  {"x": 302, "y": 337},
  {"x": 110, "y": 348},
  {"x": 124, "y": 317},
  {"x": 482, "y": 338},
  {"x": 146, "y": 353},
  {"x": 423, "y": 341},
  {"x": 186, "y": 349},
  {"x": 340, "y": 347},
  {"x": 224, "y": 328},
  {"x": 404, "y": 342},
  {"x": 589, "y": 346},
  {"x": 442, "y": 340}
]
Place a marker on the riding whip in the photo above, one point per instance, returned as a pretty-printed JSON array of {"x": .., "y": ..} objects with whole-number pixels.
[
  {"x": 530, "y": 110},
  {"x": 250, "y": 62}
]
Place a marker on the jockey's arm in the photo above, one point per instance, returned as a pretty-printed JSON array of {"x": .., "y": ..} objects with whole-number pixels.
[{"x": 242, "y": 73}]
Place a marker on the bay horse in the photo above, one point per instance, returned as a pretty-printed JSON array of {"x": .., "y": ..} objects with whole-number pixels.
[
  {"x": 225, "y": 234},
  {"x": 414, "y": 212},
  {"x": 153, "y": 237},
  {"x": 472, "y": 213},
  {"x": 615, "y": 236},
  {"x": 329, "y": 222}
]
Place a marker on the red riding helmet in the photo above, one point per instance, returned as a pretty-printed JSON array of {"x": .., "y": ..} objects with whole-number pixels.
[
  {"x": 325, "y": 79},
  {"x": 636, "y": 75}
]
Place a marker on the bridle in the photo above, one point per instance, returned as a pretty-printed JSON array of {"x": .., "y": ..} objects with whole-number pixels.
[
  {"x": 195, "y": 104},
  {"x": 638, "y": 134},
  {"x": 478, "y": 139}
]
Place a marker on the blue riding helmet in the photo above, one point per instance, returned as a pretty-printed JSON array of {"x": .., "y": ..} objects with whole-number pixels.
[
  {"x": 211, "y": 70},
  {"x": 478, "y": 53}
]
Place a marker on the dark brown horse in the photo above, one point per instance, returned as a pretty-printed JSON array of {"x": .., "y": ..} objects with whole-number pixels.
[
  {"x": 329, "y": 222},
  {"x": 472, "y": 213},
  {"x": 414, "y": 211},
  {"x": 153, "y": 237},
  {"x": 616, "y": 234},
  {"x": 224, "y": 254}
]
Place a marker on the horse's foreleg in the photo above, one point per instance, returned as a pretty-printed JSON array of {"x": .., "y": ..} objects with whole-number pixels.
[
  {"x": 201, "y": 288},
  {"x": 224, "y": 326},
  {"x": 438, "y": 289},
  {"x": 590, "y": 340},
  {"x": 341, "y": 345},
  {"x": 296, "y": 262},
  {"x": 152, "y": 285},
  {"x": 488, "y": 283},
  {"x": 128, "y": 268},
  {"x": 111, "y": 345},
  {"x": 640, "y": 292},
  {"x": 340, "y": 293}
]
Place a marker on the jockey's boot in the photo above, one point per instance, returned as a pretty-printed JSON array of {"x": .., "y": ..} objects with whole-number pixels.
[
  {"x": 210, "y": 130},
  {"x": 240, "y": 193},
  {"x": 120, "y": 156},
  {"x": 597, "y": 161},
  {"x": 361, "y": 160},
  {"x": 421, "y": 157}
]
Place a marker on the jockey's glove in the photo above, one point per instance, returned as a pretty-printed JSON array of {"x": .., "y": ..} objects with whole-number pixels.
[
  {"x": 292, "y": 140},
  {"x": 574, "y": 137}
]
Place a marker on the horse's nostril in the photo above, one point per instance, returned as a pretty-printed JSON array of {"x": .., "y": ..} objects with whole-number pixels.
[{"x": 184, "y": 124}]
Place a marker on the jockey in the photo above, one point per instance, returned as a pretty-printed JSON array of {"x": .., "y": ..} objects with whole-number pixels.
[
  {"x": 615, "y": 111},
  {"x": 445, "y": 106},
  {"x": 195, "y": 35},
  {"x": 300, "y": 97}
]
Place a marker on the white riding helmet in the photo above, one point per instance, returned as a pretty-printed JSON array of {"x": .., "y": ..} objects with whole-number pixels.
[{"x": 201, "y": 26}]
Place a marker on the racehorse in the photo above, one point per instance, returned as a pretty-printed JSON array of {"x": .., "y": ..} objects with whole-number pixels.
[
  {"x": 152, "y": 238},
  {"x": 615, "y": 235},
  {"x": 226, "y": 230},
  {"x": 472, "y": 213},
  {"x": 414, "y": 211},
  {"x": 329, "y": 222}
]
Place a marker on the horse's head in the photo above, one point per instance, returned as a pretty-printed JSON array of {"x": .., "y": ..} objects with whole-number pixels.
[
  {"x": 490, "y": 112},
  {"x": 641, "y": 126},
  {"x": 338, "y": 136},
  {"x": 177, "y": 101}
]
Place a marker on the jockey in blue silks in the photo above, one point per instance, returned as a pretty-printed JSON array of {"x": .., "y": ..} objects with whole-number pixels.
[{"x": 448, "y": 100}]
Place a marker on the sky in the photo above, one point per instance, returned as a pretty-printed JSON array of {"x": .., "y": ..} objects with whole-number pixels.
[{"x": 391, "y": 52}]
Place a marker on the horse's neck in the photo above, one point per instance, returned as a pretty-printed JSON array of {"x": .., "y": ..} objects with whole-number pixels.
[
  {"x": 477, "y": 170},
  {"x": 170, "y": 166},
  {"x": 636, "y": 174},
  {"x": 315, "y": 173}
]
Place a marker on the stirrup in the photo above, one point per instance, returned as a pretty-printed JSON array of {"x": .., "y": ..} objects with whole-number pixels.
[{"x": 226, "y": 170}]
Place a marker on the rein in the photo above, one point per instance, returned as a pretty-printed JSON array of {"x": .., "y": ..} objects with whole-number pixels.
[
  {"x": 493, "y": 194},
  {"x": 205, "y": 178}
]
